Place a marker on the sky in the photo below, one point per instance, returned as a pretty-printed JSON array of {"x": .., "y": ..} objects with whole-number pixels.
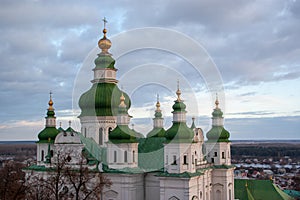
[{"x": 250, "y": 48}]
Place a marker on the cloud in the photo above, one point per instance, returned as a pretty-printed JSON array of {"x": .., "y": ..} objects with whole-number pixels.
[{"x": 43, "y": 46}]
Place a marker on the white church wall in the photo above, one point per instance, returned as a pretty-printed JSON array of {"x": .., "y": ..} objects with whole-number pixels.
[
  {"x": 124, "y": 187},
  {"x": 152, "y": 189}
]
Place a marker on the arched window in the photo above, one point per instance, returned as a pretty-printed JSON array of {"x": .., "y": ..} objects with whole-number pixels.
[
  {"x": 42, "y": 156},
  {"x": 133, "y": 156},
  {"x": 109, "y": 130},
  {"x": 174, "y": 160},
  {"x": 230, "y": 194},
  {"x": 115, "y": 156},
  {"x": 223, "y": 155},
  {"x": 51, "y": 153},
  {"x": 125, "y": 156},
  {"x": 101, "y": 136},
  {"x": 185, "y": 160}
]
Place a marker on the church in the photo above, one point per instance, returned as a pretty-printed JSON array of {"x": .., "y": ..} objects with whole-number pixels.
[{"x": 165, "y": 164}]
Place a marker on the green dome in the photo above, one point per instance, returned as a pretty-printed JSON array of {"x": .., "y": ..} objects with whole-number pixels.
[
  {"x": 46, "y": 133},
  {"x": 102, "y": 99},
  {"x": 158, "y": 115},
  {"x": 218, "y": 133},
  {"x": 122, "y": 133},
  {"x": 179, "y": 130},
  {"x": 104, "y": 61},
  {"x": 50, "y": 113},
  {"x": 217, "y": 112},
  {"x": 157, "y": 132},
  {"x": 179, "y": 106}
]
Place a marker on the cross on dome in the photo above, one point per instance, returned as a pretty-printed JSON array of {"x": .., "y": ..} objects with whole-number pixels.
[
  {"x": 104, "y": 22},
  {"x": 50, "y": 103}
]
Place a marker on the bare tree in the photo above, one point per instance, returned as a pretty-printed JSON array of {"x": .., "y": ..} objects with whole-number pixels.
[
  {"x": 66, "y": 180},
  {"x": 48, "y": 184},
  {"x": 12, "y": 184},
  {"x": 87, "y": 184}
]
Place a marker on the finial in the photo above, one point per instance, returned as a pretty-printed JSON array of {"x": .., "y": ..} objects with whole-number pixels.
[
  {"x": 50, "y": 103},
  {"x": 193, "y": 119},
  {"x": 178, "y": 92},
  {"x": 104, "y": 26},
  {"x": 70, "y": 123},
  {"x": 60, "y": 124},
  {"x": 217, "y": 101},
  {"x": 157, "y": 103},
  {"x": 104, "y": 43},
  {"x": 122, "y": 101}
]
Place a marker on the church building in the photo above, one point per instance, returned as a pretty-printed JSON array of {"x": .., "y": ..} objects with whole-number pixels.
[{"x": 165, "y": 164}]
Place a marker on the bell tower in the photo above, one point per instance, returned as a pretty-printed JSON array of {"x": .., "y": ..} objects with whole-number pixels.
[{"x": 99, "y": 105}]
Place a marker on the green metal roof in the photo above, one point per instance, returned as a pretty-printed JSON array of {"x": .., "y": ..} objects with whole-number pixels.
[
  {"x": 179, "y": 131},
  {"x": 102, "y": 99},
  {"x": 258, "y": 190},
  {"x": 46, "y": 133},
  {"x": 123, "y": 132},
  {"x": 179, "y": 106},
  {"x": 157, "y": 132},
  {"x": 93, "y": 148},
  {"x": 60, "y": 129},
  {"x": 105, "y": 61},
  {"x": 217, "y": 113},
  {"x": 151, "y": 153},
  {"x": 218, "y": 134}
]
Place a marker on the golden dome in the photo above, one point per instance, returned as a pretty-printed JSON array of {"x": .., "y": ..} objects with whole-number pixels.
[
  {"x": 50, "y": 103},
  {"x": 104, "y": 43}
]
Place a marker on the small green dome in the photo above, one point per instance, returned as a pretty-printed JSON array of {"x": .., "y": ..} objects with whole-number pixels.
[
  {"x": 46, "y": 133},
  {"x": 50, "y": 113},
  {"x": 217, "y": 112},
  {"x": 104, "y": 61},
  {"x": 158, "y": 115},
  {"x": 123, "y": 133},
  {"x": 179, "y": 130},
  {"x": 218, "y": 133},
  {"x": 102, "y": 99},
  {"x": 157, "y": 132},
  {"x": 179, "y": 106}
]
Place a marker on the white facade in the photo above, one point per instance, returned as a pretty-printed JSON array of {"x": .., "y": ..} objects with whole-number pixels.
[
  {"x": 219, "y": 153},
  {"x": 97, "y": 127},
  {"x": 122, "y": 155}
]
